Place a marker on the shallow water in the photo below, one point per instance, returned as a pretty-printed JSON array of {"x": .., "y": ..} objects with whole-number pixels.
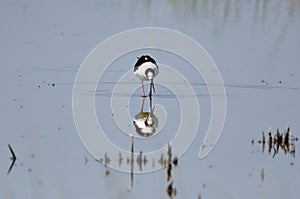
[{"x": 255, "y": 45}]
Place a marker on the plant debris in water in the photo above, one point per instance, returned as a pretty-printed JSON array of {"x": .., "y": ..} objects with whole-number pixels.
[
  {"x": 277, "y": 141},
  {"x": 167, "y": 161}
]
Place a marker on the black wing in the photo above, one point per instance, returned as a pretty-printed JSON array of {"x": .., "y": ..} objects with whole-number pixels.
[{"x": 143, "y": 59}]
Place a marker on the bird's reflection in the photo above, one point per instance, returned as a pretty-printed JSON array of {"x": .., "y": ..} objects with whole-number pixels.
[{"x": 146, "y": 122}]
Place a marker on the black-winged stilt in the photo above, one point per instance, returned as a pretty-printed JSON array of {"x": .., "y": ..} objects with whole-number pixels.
[{"x": 146, "y": 69}]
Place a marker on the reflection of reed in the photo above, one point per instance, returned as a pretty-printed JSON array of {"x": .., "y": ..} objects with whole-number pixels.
[
  {"x": 166, "y": 160},
  {"x": 169, "y": 167},
  {"x": 171, "y": 191},
  {"x": 262, "y": 175},
  {"x": 131, "y": 162},
  {"x": 279, "y": 141},
  {"x": 106, "y": 160}
]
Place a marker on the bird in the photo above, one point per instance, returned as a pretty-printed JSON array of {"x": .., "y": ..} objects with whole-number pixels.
[{"x": 146, "y": 69}]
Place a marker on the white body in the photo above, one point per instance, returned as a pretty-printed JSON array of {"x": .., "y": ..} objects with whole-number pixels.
[{"x": 141, "y": 71}]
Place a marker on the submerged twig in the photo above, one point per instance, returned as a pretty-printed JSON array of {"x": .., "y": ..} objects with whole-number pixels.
[{"x": 13, "y": 158}]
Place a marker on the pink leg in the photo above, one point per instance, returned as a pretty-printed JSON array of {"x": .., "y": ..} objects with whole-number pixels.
[
  {"x": 143, "y": 102},
  {"x": 150, "y": 93},
  {"x": 143, "y": 89}
]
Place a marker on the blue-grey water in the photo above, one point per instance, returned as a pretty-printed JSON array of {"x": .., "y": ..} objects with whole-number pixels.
[{"x": 255, "y": 45}]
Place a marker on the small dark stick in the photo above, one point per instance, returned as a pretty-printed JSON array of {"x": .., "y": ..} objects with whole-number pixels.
[
  {"x": 13, "y": 158},
  {"x": 131, "y": 162}
]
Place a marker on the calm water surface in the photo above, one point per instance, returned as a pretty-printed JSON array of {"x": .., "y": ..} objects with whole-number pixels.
[{"x": 255, "y": 45}]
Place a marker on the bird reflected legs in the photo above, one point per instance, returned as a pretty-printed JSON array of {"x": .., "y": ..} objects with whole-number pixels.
[{"x": 143, "y": 102}]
